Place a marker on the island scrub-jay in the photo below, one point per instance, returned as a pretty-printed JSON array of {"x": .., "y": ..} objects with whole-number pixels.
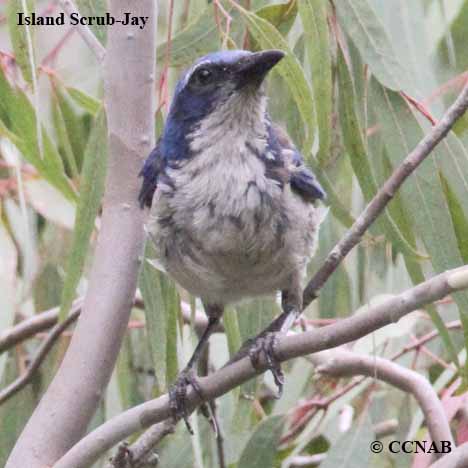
[{"x": 233, "y": 210}]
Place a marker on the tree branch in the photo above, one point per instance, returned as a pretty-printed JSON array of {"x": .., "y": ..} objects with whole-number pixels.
[
  {"x": 458, "y": 458},
  {"x": 30, "y": 326},
  {"x": 63, "y": 414},
  {"x": 385, "y": 195},
  {"x": 343, "y": 363},
  {"x": 39, "y": 357},
  {"x": 85, "y": 452},
  {"x": 85, "y": 32}
]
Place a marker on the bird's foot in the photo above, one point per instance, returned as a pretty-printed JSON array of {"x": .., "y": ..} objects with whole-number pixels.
[
  {"x": 178, "y": 395},
  {"x": 265, "y": 345}
]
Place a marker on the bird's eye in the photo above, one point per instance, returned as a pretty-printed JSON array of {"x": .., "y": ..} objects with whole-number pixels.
[{"x": 203, "y": 76}]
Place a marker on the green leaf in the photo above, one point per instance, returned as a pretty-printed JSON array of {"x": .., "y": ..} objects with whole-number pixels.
[
  {"x": 162, "y": 309},
  {"x": 459, "y": 219},
  {"x": 63, "y": 139},
  {"x": 352, "y": 448},
  {"x": 85, "y": 101},
  {"x": 19, "y": 37},
  {"x": 457, "y": 30},
  {"x": 91, "y": 191},
  {"x": 261, "y": 449},
  {"x": 359, "y": 158},
  {"x": 335, "y": 296},
  {"x": 50, "y": 203},
  {"x": 368, "y": 34},
  {"x": 15, "y": 412},
  {"x": 231, "y": 327},
  {"x": 289, "y": 68},
  {"x": 9, "y": 256},
  {"x": 74, "y": 123},
  {"x": 197, "y": 39},
  {"x": 422, "y": 195},
  {"x": 314, "y": 20},
  {"x": 280, "y": 15},
  {"x": 20, "y": 127}
]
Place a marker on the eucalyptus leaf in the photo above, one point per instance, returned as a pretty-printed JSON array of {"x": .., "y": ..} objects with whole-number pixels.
[
  {"x": 19, "y": 36},
  {"x": 85, "y": 101},
  {"x": 316, "y": 38},
  {"x": 365, "y": 28},
  {"x": 91, "y": 191},
  {"x": 261, "y": 448}
]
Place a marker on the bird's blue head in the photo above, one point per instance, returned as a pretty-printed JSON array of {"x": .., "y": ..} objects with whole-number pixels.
[{"x": 208, "y": 84}]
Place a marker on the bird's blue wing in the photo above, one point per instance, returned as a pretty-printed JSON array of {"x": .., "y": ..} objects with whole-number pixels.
[
  {"x": 301, "y": 179},
  {"x": 150, "y": 172}
]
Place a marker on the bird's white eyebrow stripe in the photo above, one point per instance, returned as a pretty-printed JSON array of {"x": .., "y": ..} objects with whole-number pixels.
[{"x": 193, "y": 70}]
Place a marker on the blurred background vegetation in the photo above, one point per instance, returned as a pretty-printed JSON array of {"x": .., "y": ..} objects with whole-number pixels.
[{"x": 362, "y": 82}]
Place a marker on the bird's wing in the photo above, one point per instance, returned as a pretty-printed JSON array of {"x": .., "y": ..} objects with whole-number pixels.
[
  {"x": 301, "y": 179},
  {"x": 150, "y": 172}
]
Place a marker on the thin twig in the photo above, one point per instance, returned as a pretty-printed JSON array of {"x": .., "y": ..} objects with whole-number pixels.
[
  {"x": 41, "y": 354},
  {"x": 84, "y": 31},
  {"x": 385, "y": 195},
  {"x": 424, "y": 339},
  {"x": 31, "y": 326},
  {"x": 52, "y": 55}
]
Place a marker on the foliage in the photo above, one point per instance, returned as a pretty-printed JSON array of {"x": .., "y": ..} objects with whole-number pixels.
[{"x": 343, "y": 93}]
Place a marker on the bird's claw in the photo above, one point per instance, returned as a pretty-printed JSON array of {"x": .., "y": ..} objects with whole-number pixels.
[
  {"x": 178, "y": 396},
  {"x": 266, "y": 345}
]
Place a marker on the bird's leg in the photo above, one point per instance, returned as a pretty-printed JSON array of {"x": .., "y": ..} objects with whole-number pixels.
[
  {"x": 178, "y": 391},
  {"x": 264, "y": 343}
]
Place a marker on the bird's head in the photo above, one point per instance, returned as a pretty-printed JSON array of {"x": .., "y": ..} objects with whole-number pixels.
[{"x": 215, "y": 78}]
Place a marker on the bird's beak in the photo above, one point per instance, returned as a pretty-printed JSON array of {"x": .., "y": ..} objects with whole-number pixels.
[{"x": 253, "y": 68}]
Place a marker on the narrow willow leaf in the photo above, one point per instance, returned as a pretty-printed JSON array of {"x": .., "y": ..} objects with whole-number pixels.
[
  {"x": 423, "y": 194},
  {"x": 63, "y": 140},
  {"x": 91, "y": 191},
  {"x": 15, "y": 412},
  {"x": 94, "y": 8},
  {"x": 335, "y": 296},
  {"x": 172, "y": 307},
  {"x": 20, "y": 127},
  {"x": 339, "y": 210},
  {"x": 262, "y": 446},
  {"x": 50, "y": 202},
  {"x": 459, "y": 219},
  {"x": 289, "y": 68},
  {"x": 367, "y": 32},
  {"x": 352, "y": 448},
  {"x": 457, "y": 30},
  {"x": 156, "y": 320},
  {"x": 355, "y": 146},
  {"x": 314, "y": 20},
  {"x": 77, "y": 133},
  {"x": 19, "y": 37},
  {"x": 8, "y": 266},
  {"x": 280, "y": 15},
  {"x": 162, "y": 309},
  {"x": 413, "y": 266},
  {"x": 452, "y": 159},
  {"x": 85, "y": 101},
  {"x": 231, "y": 327}
]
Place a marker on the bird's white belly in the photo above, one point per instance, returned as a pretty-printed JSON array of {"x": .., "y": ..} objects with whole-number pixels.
[{"x": 227, "y": 232}]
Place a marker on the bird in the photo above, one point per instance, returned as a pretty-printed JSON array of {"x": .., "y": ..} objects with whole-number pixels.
[{"x": 233, "y": 208}]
